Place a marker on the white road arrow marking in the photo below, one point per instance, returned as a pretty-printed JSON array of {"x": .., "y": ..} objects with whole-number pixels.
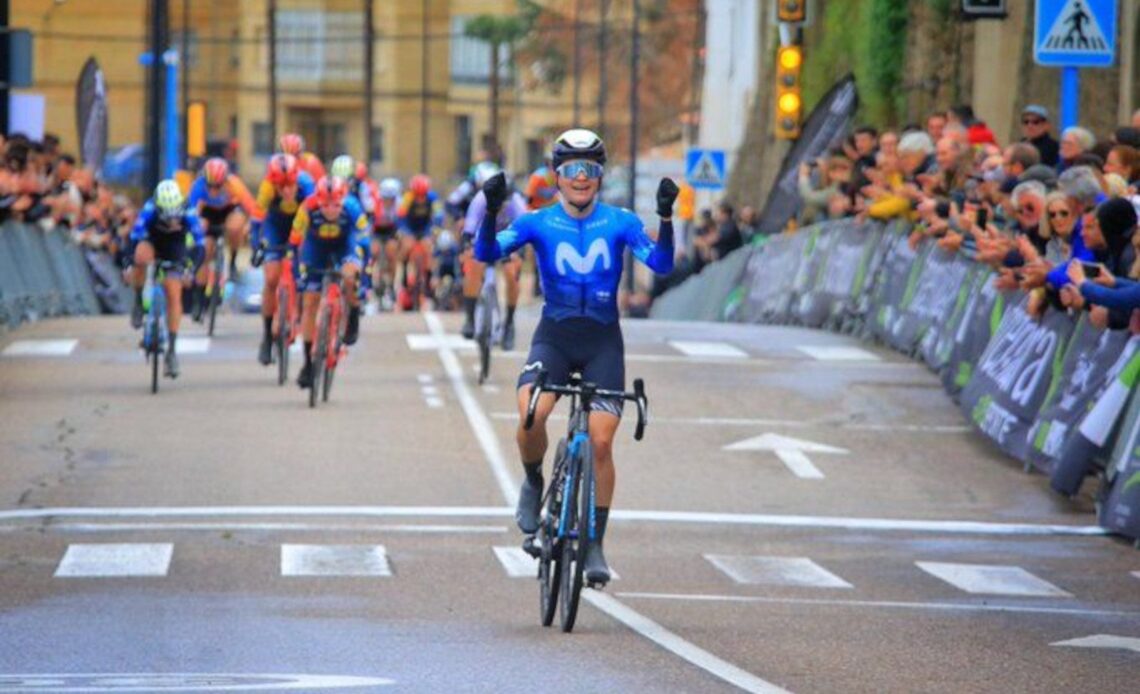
[
  {"x": 1126, "y": 643},
  {"x": 792, "y": 452}
]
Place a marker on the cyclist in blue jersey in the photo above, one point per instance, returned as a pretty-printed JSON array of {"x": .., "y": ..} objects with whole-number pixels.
[
  {"x": 579, "y": 245},
  {"x": 161, "y": 234}
]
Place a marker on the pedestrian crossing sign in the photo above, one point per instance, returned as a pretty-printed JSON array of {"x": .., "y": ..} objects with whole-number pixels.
[
  {"x": 704, "y": 168},
  {"x": 1075, "y": 33}
]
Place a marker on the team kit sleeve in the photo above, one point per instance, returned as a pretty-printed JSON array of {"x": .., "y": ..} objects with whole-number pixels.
[
  {"x": 300, "y": 226},
  {"x": 141, "y": 228},
  {"x": 475, "y": 213},
  {"x": 489, "y": 246},
  {"x": 241, "y": 195},
  {"x": 657, "y": 256},
  {"x": 197, "y": 193}
]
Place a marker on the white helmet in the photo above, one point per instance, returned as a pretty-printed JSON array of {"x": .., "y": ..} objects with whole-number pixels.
[
  {"x": 485, "y": 170},
  {"x": 390, "y": 188},
  {"x": 342, "y": 166},
  {"x": 168, "y": 198}
]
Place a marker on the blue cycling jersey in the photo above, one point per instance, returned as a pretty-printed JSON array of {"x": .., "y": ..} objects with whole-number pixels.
[
  {"x": 149, "y": 221},
  {"x": 580, "y": 260}
]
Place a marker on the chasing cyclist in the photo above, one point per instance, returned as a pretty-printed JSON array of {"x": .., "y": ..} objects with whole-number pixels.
[
  {"x": 579, "y": 245},
  {"x": 294, "y": 144},
  {"x": 326, "y": 228},
  {"x": 419, "y": 213},
  {"x": 361, "y": 192},
  {"x": 224, "y": 205},
  {"x": 384, "y": 236},
  {"x": 512, "y": 266},
  {"x": 162, "y": 231},
  {"x": 280, "y": 196}
]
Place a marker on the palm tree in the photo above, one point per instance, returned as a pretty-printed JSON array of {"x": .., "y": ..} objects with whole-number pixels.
[{"x": 495, "y": 30}]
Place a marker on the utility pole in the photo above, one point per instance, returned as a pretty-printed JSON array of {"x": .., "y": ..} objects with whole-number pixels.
[
  {"x": 424, "y": 90},
  {"x": 159, "y": 37},
  {"x": 185, "y": 65},
  {"x": 6, "y": 72},
  {"x": 369, "y": 86},
  {"x": 634, "y": 58},
  {"x": 603, "y": 9},
  {"x": 271, "y": 34}
]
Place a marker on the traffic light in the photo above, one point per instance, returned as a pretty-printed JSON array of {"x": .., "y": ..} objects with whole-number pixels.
[
  {"x": 791, "y": 11},
  {"x": 789, "y": 97}
]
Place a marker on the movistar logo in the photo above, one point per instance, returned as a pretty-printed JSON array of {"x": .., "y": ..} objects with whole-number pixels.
[{"x": 566, "y": 256}]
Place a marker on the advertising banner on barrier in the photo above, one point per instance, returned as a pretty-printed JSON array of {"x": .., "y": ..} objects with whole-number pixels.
[
  {"x": 930, "y": 298},
  {"x": 984, "y": 310},
  {"x": 840, "y": 279},
  {"x": 1014, "y": 375},
  {"x": 896, "y": 275},
  {"x": 938, "y": 341},
  {"x": 1093, "y": 360},
  {"x": 1120, "y": 511},
  {"x": 768, "y": 277}
]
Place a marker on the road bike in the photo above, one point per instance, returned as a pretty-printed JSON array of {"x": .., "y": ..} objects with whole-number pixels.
[
  {"x": 419, "y": 265},
  {"x": 287, "y": 319},
  {"x": 328, "y": 346},
  {"x": 567, "y": 519},
  {"x": 215, "y": 284},
  {"x": 156, "y": 333},
  {"x": 488, "y": 326}
]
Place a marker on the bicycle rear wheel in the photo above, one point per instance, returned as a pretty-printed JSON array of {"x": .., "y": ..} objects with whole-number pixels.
[
  {"x": 283, "y": 330},
  {"x": 575, "y": 540},
  {"x": 320, "y": 355}
]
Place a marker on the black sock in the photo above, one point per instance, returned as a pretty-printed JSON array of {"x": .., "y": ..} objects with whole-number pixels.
[
  {"x": 534, "y": 472},
  {"x": 469, "y": 307},
  {"x": 173, "y": 340},
  {"x": 268, "y": 328},
  {"x": 510, "y": 314},
  {"x": 601, "y": 517},
  {"x": 308, "y": 355}
]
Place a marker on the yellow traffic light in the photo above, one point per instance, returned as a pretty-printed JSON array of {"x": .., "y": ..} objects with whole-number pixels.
[
  {"x": 791, "y": 11},
  {"x": 789, "y": 99}
]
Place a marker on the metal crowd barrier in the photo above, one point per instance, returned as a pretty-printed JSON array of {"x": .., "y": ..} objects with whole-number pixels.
[{"x": 42, "y": 274}]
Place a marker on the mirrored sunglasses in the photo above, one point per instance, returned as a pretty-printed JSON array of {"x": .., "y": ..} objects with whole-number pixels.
[{"x": 572, "y": 169}]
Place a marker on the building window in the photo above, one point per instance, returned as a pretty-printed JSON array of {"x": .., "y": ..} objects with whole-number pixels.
[
  {"x": 471, "y": 58},
  {"x": 462, "y": 144},
  {"x": 314, "y": 45},
  {"x": 377, "y": 153},
  {"x": 262, "y": 140},
  {"x": 330, "y": 140},
  {"x": 235, "y": 47}
]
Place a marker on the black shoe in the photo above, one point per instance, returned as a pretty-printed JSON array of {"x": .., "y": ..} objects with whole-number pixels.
[
  {"x": 305, "y": 378},
  {"x": 530, "y": 499},
  {"x": 352, "y": 330},
  {"x": 199, "y": 300},
  {"x": 508, "y": 336},
  {"x": 468, "y": 329},
  {"x": 594, "y": 564},
  {"x": 265, "y": 352},
  {"x": 171, "y": 365},
  {"x": 137, "y": 315}
]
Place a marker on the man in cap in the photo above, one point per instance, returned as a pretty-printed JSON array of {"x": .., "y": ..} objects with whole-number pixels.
[{"x": 1035, "y": 130}]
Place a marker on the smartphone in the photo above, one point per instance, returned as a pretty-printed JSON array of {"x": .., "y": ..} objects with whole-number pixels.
[
  {"x": 1091, "y": 269},
  {"x": 983, "y": 218}
]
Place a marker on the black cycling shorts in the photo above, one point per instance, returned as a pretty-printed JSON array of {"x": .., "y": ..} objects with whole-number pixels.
[{"x": 595, "y": 350}]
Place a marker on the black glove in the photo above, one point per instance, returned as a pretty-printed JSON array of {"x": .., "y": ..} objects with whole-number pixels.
[
  {"x": 666, "y": 194},
  {"x": 495, "y": 190}
]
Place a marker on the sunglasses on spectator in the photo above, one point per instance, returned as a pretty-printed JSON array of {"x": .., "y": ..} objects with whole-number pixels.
[
  {"x": 1054, "y": 214},
  {"x": 572, "y": 169},
  {"x": 1032, "y": 121}
]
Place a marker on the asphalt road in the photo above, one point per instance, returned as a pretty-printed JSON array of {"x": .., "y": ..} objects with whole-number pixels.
[{"x": 222, "y": 536}]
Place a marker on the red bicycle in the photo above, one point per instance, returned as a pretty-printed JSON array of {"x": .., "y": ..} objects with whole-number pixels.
[
  {"x": 328, "y": 345},
  {"x": 418, "y": 275},
  {"x": 287, "y": 319}
]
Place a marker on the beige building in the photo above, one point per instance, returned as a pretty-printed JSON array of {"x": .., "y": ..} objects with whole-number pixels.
[{"x": 430, "y": 99}]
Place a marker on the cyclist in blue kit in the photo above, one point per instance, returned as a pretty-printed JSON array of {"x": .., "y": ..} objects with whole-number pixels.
[{"x": 579, "y": 244}]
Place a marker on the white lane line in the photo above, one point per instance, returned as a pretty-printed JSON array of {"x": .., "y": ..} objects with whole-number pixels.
[
  {"x": 838, "y": 353},
  {"x": 99, "y": 560},
  {"x": 678, "y": 646},
  {"x": 986, "y": 579},
  {"x": 180, "y": 682},
  {"x": 425, "y": 379},
  {"x": 434, "y": 402},
  {"x": 779, "y": 571},
  {"x": 441, "y": 340},
  {"x": 334, "y": 560},
  {"x": 429, "y": 390},
  {"x": 695, "y": 348},
  {"x": 269, "y": 527},
  {"x": 939, "y": 606},
  {"x": 1136, "y": 574},
  {"x": 480, "y": 424},
  {"x": 40, "y": 348},
  {"x": 1126, "y": 643},
  {"x": 516, "y": 562},
  {"x": 785, "y": 423},
  {"x": 193, "y": 345},
  {"x": 951, "y": 527}
]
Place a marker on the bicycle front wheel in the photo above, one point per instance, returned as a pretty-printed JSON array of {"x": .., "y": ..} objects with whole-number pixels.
[
  {"x": 320, "y": 355},
  {"x": 282, "y": 341},
  {"x": 550, "y": 556},
  {"x": 575, "y": 540}
]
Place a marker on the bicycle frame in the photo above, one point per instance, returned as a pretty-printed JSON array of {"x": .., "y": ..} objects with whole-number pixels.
[{"x": 288, "y": 283}]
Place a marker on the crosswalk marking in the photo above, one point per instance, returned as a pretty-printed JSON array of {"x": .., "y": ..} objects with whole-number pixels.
[
  {"x": 40, "y": 348},
  {"x": 780, "y": 571},
  {"x": 694, "y": 348},
  {"x": 421, "y": 342},
  {"x": 334, "y": 560},
  {"x": 1108, "y": 641},
  {"x": 193, "y": 345},
  {"x": 986, "y": 579},
  {"x": 1136, "y": 574},
  {"x": 96, "y": 560},
  {"x": 838, "y": 353}
]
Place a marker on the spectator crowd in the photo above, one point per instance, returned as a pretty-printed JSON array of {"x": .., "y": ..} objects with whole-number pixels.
[{"x": 1054, "y": 217}]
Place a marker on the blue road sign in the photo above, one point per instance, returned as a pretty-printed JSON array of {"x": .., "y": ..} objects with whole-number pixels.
[
  {"x": 704, "y": 168},
  {"x": 1075, "y": 33}
]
